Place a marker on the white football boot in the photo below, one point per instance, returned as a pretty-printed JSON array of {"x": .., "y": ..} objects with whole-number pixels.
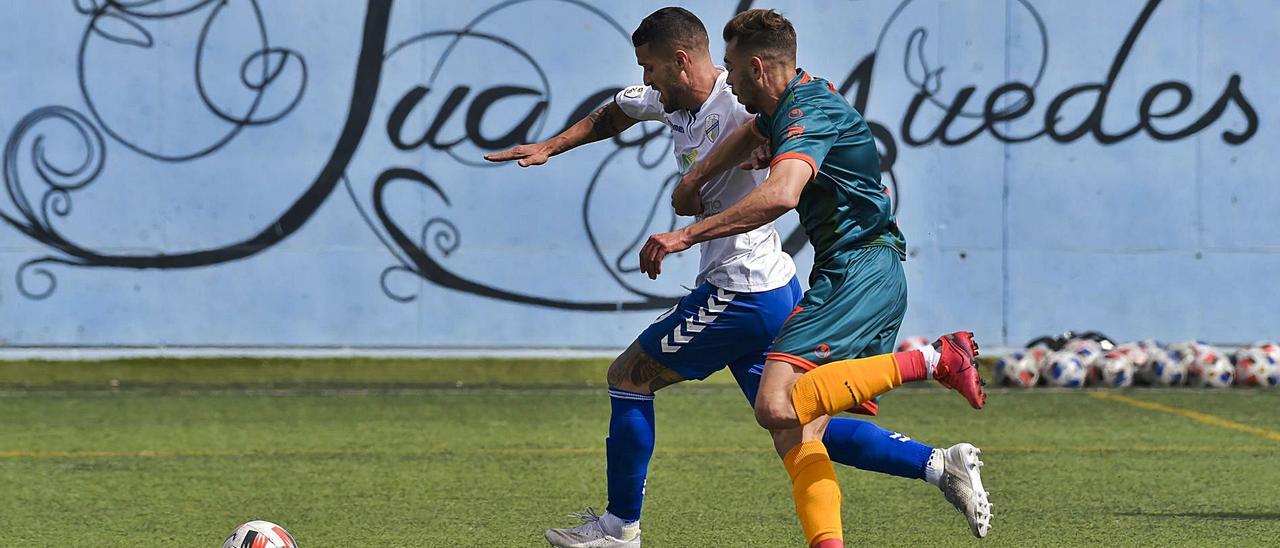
[
  {"x": 961, "y": 484},
  {"x": 591, "y": 534}
]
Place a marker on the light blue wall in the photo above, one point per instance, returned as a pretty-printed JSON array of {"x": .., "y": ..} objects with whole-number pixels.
[{"x": 160, "y": 194}]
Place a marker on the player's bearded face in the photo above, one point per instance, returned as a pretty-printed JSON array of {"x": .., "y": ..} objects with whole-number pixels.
[
  {"x": 662, "y": 73},
  {"x": 742, "y": 79},
  {"x": 668, "y": 83}
]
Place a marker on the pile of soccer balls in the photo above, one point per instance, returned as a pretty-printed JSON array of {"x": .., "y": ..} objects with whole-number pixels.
[{"x": 1075, "y": 360}]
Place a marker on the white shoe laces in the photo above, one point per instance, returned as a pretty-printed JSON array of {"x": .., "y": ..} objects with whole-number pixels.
[{"x": 590, "y": 523}]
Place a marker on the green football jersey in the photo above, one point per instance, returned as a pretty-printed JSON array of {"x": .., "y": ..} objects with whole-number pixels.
[{"x": 845, "y": 207}]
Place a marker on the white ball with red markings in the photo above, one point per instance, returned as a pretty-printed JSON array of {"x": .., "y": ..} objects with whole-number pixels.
[
  {"x": 1039, "y": 354},
  {"x": 1136, "y": 352},
  {"x": 1065, "y": 369},
  {"x": 912, "y": 343},
  {"x": 1089, "y": 351},
  {"x": 1203, "y": 356},
  {"x": 1151, "y": 347},
  {"x": 1115, "y": 370},
  {"x": 1217, "y": 373},
  {"x": 1256, "y": 367},
  {"x": 1018, "y": 369},
  {"x": 1168, "y": 366},
  {"x": 1270, "y": 348},
  {"x": 1147, "y": 350},
  {"x": 259, "y": 534},
  {"x": 1273, "y": 351}
]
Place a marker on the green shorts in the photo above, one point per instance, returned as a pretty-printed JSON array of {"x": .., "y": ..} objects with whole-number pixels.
[{"x": 853, "y": 309}]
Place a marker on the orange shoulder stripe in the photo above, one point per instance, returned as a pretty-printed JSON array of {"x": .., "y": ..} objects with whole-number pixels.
[{"x": 797, "y": 156}]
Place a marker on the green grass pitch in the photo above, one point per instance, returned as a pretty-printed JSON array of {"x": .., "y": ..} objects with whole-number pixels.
[{"x": 490, "y": 453}]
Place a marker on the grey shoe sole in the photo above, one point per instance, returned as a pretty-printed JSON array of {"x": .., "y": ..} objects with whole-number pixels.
[{"x": 962, "y": 486}]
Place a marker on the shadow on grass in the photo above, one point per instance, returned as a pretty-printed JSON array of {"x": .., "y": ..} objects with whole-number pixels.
[{"x": 1244, "y": 516}]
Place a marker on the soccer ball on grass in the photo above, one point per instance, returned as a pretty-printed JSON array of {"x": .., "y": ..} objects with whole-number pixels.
[
  {"x": 1018, "y": 369},
  {"x": 1115, "y": 370},
  {"x": 1065, "y": 369},
  {"x": 1210, "y": 367},
  {"x": 259, "y": 534},
  {"x": 1168, "y": 366},
  {"x": 1256, "y": 367}
]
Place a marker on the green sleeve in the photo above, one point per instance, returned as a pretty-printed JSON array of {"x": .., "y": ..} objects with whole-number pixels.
[{"x": 808, "y": 135}]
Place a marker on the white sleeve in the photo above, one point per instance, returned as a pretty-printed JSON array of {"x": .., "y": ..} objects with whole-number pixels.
[{"x": 641, "y": 103}]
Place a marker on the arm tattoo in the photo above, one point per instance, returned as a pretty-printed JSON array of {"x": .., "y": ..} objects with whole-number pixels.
[{"x": 602, "y": 124}]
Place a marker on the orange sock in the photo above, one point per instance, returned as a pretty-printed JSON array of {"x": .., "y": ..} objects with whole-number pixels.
[
  {"x": 837, "y": 386},
  {"x": 816, "y": 493}
]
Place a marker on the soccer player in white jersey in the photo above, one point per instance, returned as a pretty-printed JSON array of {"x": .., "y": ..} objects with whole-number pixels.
[{"x": 746, "y": 285}]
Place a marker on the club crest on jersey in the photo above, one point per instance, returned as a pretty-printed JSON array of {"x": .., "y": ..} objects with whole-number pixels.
[
  {"x": 687, "y": 160},
  {"x": 633, "y": 92},
  {"x": 795, "y": 114},
  {"x": 713, "y": 127}
]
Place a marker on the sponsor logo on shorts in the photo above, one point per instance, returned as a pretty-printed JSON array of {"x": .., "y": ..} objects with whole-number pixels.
[
  {"x": 683, "y": 333},
  {"x": 664, "y": 315}
]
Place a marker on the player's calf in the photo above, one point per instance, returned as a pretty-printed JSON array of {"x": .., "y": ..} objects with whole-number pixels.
[
  {"x": 814, "y": 487},
  {"x": 633, "y": 378},
  {"x": 841, "y": 385}
]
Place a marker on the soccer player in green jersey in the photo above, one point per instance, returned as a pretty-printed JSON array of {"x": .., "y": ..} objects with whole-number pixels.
[{"x": 834, "y": 352}]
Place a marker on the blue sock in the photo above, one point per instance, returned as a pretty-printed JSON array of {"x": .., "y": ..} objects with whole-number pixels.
[
  {"x": 627, "y": 451},
  {"x": 866, "y": 446}
]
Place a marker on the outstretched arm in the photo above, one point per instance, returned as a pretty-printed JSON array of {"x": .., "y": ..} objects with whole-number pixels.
[
  {"x": 778, "y": 194},
  {"x": 603, "y": 123},
  {"x": 735, "y": 149}
]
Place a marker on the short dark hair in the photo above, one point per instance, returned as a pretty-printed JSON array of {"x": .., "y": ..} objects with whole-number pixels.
[
  {"x": 763, "y": 33},
  {"x": 676, "y": 28}
]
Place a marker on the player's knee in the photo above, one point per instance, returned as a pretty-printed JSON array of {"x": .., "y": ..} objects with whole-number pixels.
[
  {"x": 775, "y": 414},
  {"x": 635, "y": 371},
  {"x": 618, "y": 377},
  {"x": 622, "y": 373}
]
